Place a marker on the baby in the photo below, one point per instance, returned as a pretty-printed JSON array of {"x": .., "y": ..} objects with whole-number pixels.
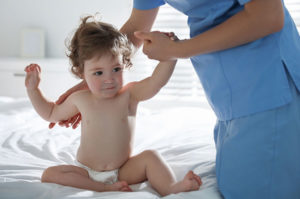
[{"x": 99, "y": 53}]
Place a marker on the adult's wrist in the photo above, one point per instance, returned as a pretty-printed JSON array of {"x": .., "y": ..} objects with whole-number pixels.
[{"x": 179, "y": 50}]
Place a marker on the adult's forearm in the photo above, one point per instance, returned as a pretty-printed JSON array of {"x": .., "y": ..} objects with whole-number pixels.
[
  {"x": 128, "y": 29},
  {"x": 139, "y": 20},
  {"x": 258, "y": 19}
]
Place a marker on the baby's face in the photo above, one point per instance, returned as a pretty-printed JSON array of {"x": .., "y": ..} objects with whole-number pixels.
[{"x": 104, "y": 75}]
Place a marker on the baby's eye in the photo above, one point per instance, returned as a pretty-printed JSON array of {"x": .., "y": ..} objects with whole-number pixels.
[
  {"x": 117, "y": 69},
  {"x": 98, "y": 73}
]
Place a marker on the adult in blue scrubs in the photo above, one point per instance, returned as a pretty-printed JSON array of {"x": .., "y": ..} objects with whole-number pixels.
[{"x": 247, "y": 56}]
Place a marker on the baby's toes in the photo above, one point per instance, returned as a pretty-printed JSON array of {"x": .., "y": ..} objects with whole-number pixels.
[{"x": 198, "y": 179}]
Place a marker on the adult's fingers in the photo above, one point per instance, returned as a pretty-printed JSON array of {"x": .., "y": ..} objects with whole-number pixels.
[
  {"x": 77, "y": 122},
  {"x": 62, "y": 98},
  {"x": 51, "y": 125},
  {"x": 64, "y": 123}
]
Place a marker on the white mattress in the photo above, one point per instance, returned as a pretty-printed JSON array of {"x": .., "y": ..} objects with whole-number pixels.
[{"x": 182, "y": 134}]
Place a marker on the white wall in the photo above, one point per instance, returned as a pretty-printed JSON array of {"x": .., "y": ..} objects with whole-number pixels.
[{"x": 58, "y": 18}]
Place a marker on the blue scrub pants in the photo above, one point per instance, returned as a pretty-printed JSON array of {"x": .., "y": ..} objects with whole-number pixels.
[{"x": 258, "y": 156}]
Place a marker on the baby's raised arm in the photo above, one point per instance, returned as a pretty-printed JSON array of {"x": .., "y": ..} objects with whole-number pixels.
[
  {"x": 150, "y": 86},
  {"x": 147, "y": 88},
  {"x": 46, "y": 109}
]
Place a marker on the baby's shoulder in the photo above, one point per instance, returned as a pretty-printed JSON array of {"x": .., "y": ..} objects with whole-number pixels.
[
  {"x": 129, "y": 86},
  {"x": 80, "y": 94}
]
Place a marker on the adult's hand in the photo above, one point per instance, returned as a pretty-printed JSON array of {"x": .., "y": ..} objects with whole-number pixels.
[
  {"x": 75, "y": 120},
  {"x": 81, "y": 86},
  {"x": 158, "y": 45}
]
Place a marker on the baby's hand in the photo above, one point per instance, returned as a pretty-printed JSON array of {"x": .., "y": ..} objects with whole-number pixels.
[
  {"x": 33, "y": 72},
  {"x": 172, "y": 36}
]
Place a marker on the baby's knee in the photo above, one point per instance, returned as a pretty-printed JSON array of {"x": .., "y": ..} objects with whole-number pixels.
[
  {"x": 49, "y": 174},
  {"x": 151, "y": 154}
]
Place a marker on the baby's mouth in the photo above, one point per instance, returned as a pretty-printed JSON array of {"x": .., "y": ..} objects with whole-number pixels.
[{"x": 109, "y": 88}]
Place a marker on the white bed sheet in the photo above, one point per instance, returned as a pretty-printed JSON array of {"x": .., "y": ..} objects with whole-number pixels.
[{"x": 182, "y": 134}]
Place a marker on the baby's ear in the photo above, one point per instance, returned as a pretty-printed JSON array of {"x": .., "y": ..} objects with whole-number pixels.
[{"x": 81, "y": 76}]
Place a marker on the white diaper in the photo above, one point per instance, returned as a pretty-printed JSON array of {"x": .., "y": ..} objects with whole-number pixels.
[{"x": 107, "y": 177}]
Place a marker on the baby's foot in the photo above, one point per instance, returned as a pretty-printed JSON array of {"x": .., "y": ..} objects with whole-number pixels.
[
  {"x": 190, "y": 182},
  {"x": 118, "y": 186}
]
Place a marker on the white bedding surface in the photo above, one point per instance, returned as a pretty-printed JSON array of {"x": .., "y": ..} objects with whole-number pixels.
[{"x": 182, "y": 134}]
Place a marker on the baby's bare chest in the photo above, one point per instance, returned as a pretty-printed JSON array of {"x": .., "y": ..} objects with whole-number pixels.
[
  {"x": 105, "y": 113},
  {"x": 112, "y": 114}
]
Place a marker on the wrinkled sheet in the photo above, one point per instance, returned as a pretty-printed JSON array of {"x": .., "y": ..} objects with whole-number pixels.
[{"x": 183, "y": 134}]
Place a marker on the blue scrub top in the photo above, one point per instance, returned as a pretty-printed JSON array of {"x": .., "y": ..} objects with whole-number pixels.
[{"x": 246, "y": 79}]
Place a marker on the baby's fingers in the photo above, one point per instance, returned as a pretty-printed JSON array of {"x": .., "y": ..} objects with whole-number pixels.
[
  {"x": 33, "y": 67},
  {"x": 32, "y": 79},
  {"x": 29, "y": 68},
  {"x": 38, "y": 68}
]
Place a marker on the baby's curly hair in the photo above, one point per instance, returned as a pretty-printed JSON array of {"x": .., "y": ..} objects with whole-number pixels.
[{"x": 97, "y": 38}]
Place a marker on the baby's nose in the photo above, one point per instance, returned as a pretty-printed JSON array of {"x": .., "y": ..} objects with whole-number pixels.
[{"x": 108, "y": 79}]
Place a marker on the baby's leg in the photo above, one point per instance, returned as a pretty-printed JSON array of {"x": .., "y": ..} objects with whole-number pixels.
[
  {"x": 150, "y": 166},
  {"x": 69, "y": 175}
]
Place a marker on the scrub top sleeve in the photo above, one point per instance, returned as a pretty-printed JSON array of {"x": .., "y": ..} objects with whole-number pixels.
[
  {"x": 147, "y": 4},
  {"x": 243, "y": 2}
]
